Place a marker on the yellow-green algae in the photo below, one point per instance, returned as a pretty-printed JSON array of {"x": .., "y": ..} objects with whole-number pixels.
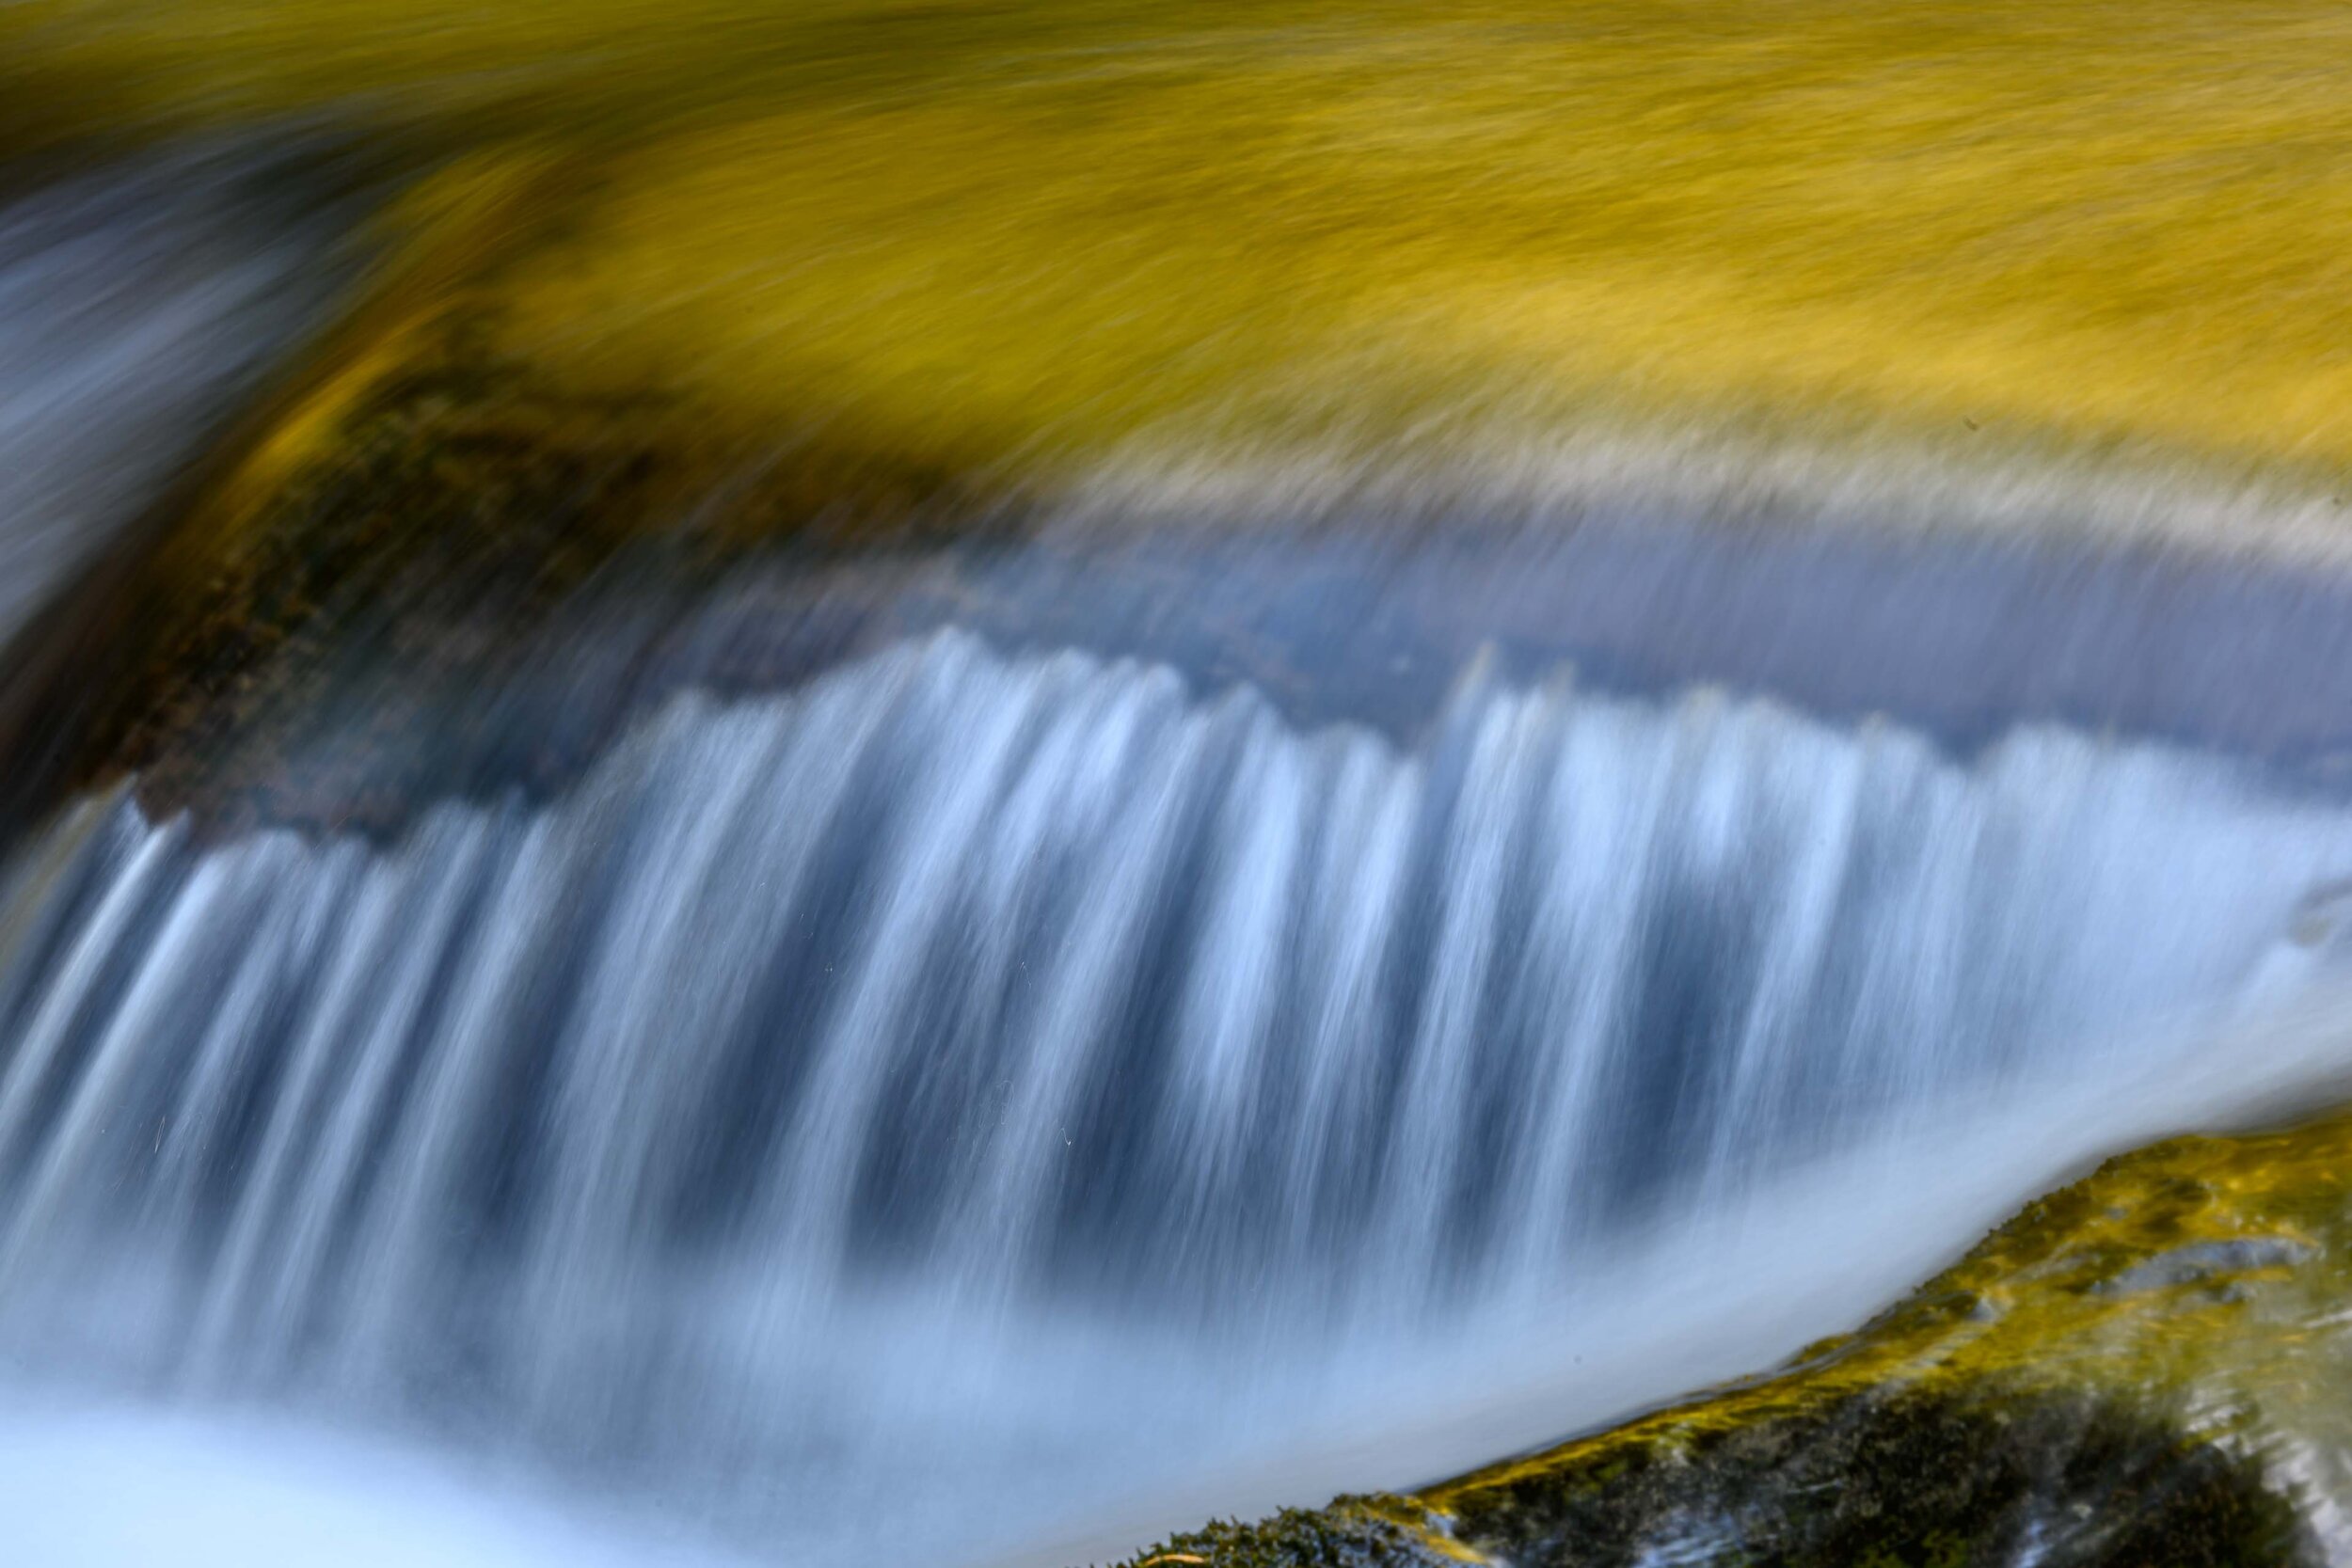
[
  {"x": 2153, "y": 1362},
  {"x": 1051, "y": 233}
]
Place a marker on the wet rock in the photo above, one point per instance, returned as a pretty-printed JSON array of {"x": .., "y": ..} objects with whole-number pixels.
[
  {"x": 1906, "y": 1476},
  {"x": 2203, "y": 1262},
  {"x": 2055, "y": 1399},
  {"x": 1909, "y": 1477}
]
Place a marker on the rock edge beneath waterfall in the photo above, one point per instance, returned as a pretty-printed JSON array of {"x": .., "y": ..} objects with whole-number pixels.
[
  {"x": 1920, "y": 1479},
  {"x": 2133, "y": 1370},
  {"x": 466, "y": 584}
]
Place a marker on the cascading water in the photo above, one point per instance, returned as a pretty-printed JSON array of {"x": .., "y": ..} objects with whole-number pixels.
[
  {"x": 950, "y": 783},
  {"x": 1043, "y": 1077}
]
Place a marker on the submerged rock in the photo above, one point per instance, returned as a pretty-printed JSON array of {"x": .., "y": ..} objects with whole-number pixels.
[{"x": 2203, "y": 1262}]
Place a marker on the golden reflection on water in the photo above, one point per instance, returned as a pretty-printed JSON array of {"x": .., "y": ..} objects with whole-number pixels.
[{"x": 1040, "y": 233}]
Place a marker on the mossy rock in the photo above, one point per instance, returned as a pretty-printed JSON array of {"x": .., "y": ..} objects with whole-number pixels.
[
  {"x": 2121, "y": 1376},
  {"x": 430, "y": 538},
  {"x": 1918, "y": 1476},
  {"x": 1902, "y": 1479}
]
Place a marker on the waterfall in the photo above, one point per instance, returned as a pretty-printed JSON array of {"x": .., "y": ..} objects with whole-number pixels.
[{"x": 932, "y": 1063}]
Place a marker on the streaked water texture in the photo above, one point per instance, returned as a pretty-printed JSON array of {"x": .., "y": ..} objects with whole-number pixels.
[
  {"x": 943, "y": 1063},
  {"x": 945, "y": 783},
  {"x": 136, "y": 304}
]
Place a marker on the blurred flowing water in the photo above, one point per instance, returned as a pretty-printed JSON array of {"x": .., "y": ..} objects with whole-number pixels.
[
  {"x": 993, "y": 1098},
  {"x": 137, "y": 305},
  {"x": 1029, "y": 1075}
]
